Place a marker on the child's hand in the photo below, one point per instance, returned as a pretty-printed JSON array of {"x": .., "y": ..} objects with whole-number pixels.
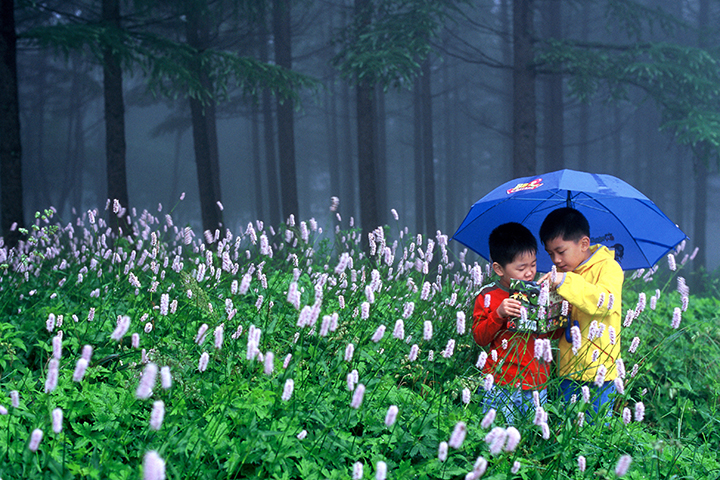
[
  {"x": 559, "y": 277},
  {"x": 509, "y": 308}
]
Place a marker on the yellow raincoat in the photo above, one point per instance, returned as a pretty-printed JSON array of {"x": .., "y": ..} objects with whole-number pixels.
[{"x": 599, "y": 275}]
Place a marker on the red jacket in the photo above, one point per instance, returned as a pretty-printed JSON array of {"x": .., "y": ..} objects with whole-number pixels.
[{"x": 516, "y": 365}]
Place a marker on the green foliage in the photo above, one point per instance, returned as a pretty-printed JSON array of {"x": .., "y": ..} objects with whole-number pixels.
[
  {"x": 230, "y": 420},
  {"x": 680, "y": 78},
  {"x": 388, "y": 40},
  {"x": 168, "y": 64}
]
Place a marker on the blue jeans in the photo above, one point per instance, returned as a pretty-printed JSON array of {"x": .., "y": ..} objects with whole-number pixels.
[
  {"x": 599, "y": 396},
  {"x": 512, "y": 402}
]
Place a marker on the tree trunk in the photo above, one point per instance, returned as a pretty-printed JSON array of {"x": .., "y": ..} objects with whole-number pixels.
[
  {"x": 256, "y": 163},
  {"x": 702, "y": 158},
  {"x": 348, "y": 203},
  {"x": 554, "y": 107},
  {"x": 524, "y": 103},
  {"x": 11, "y": 191},
  {"x": 202, "y": 115},
  {"x": 114, "y": 124},
  {"x": 273, "y": 189},
  {"x": 366, "y": 158},
  {"x": 418, "y": 157},
  {"x": 428, "y": 150},
  {"x": 381, "y": 157},
  {"x": 285, "y": 112},
  {"x": 333, "y": 144}
]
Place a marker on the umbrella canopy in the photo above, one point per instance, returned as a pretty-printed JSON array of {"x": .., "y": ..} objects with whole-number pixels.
[{"x": 620, "y": 216}]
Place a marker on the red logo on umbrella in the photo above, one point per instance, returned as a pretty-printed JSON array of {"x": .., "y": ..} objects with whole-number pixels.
[{"x": 526, "y": 186}]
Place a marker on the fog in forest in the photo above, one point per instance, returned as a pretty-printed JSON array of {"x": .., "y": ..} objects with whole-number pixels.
[{"x": 457, "y": 111}]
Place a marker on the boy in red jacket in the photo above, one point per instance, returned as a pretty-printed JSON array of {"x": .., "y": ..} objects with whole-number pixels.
[{"x": 516, "y": 371}]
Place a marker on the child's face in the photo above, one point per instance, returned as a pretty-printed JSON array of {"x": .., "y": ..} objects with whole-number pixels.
[
  {"x": 523, "y": 267},
  {"x": 568, "y": 254}
]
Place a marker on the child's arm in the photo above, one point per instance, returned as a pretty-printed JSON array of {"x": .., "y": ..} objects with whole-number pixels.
[
  {"x": 488, "y": 321},
  {"x": 585, "y": 295}
]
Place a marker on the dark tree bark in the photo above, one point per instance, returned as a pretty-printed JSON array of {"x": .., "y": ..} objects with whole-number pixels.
[
  {"x": 366, "y": 158},
  {"x": 285, "y": 112},
  {"x": 256, "y": 163},
  {"x": 418, "y": 172},
  {"x": 366, "y": 125},
  {"x": 114, "y": 123},
  {"x": 554, "y": 107},
  {"x": 452, "y": 161},
  {"x": 381, "y": 157},
  {"x": 204, "y": 131},
  {"x": 34, "y": 158},
  {"x": 333, "y": 144},
  {"x": 702, "y": 157},
  {"x": 428, "y": 150},
  {"x": 524, "y": 102},
  {"x": 271, "y": 174},
  {"x": 11, "y": 199},
  {"x": 348, "y": 202}
]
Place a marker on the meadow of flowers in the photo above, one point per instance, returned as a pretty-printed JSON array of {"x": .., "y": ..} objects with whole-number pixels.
[{"x": 284, "y": 352}]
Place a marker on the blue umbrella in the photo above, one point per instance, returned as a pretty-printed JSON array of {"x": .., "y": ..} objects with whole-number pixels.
[{"x": 620, "y": 216}]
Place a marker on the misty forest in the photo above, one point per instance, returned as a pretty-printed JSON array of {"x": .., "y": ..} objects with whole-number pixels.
[{"x": 272, "y": 108}]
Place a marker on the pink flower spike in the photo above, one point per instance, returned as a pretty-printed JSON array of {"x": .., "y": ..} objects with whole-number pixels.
[
  {"x": 57, "y": 420},
  {"x": 358, "y": 396},
  {"x": 619, "y": 385},
  {"x": 623, "y": 465},
  {"x": 585, "y": 393},
  {"x": 600, "y": 375},
  {"x": 442, "y": 451},
  {"x": 488, "y": 419},
  {"x": 482, "y": 359},
  {"x": 427, "y": 330},
  {"x": 391, "y": 415},
  {"x": 639, "y": 411},
  {"x": 123, "y": 323},
  {"x": 489, "y": 381},
  {"x": 582, "y": 463},
  {"x": 153, "y": 466},
  {"x": 35, "y": 439},
  {"x": 626, "y": 416},
  {"x": 157, "y": 415},
  {"x": 203, "y": 362},
  {"x": 349, "y": 351},
  {"x": 288, "y": 389},
  {"x": 381, "y": 470},
  {"x": 80, "y": 369},
  {"x": 147, "y": 382},
  {"x": 516, "y": 467},
  {"x": 379, "y": 333},
  {"x": 458, "y": 435},
  {"x": 52, "y": 375},
  {"x": 200, "y": 337},
  {"x": 57, "y": 346},
  {"x": 357, "y": 471},
  {"x": 165, "y": 378},
  {"x": 513, "y": 439},
  {"x": 677, "y": 318}
]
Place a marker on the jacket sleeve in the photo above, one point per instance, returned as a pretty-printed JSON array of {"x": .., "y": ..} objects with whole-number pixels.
[
  {"x": 585, "y": 295},
  {"x": 486, "y": 321}
]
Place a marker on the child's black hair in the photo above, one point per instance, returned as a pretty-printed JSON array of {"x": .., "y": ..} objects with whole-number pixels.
[
  {"x": 509, "y": 240},
  {"x": 567, "y": 223}
]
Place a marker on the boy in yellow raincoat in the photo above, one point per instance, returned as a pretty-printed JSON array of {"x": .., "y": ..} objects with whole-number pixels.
[{"x": 590, "y": 279}]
